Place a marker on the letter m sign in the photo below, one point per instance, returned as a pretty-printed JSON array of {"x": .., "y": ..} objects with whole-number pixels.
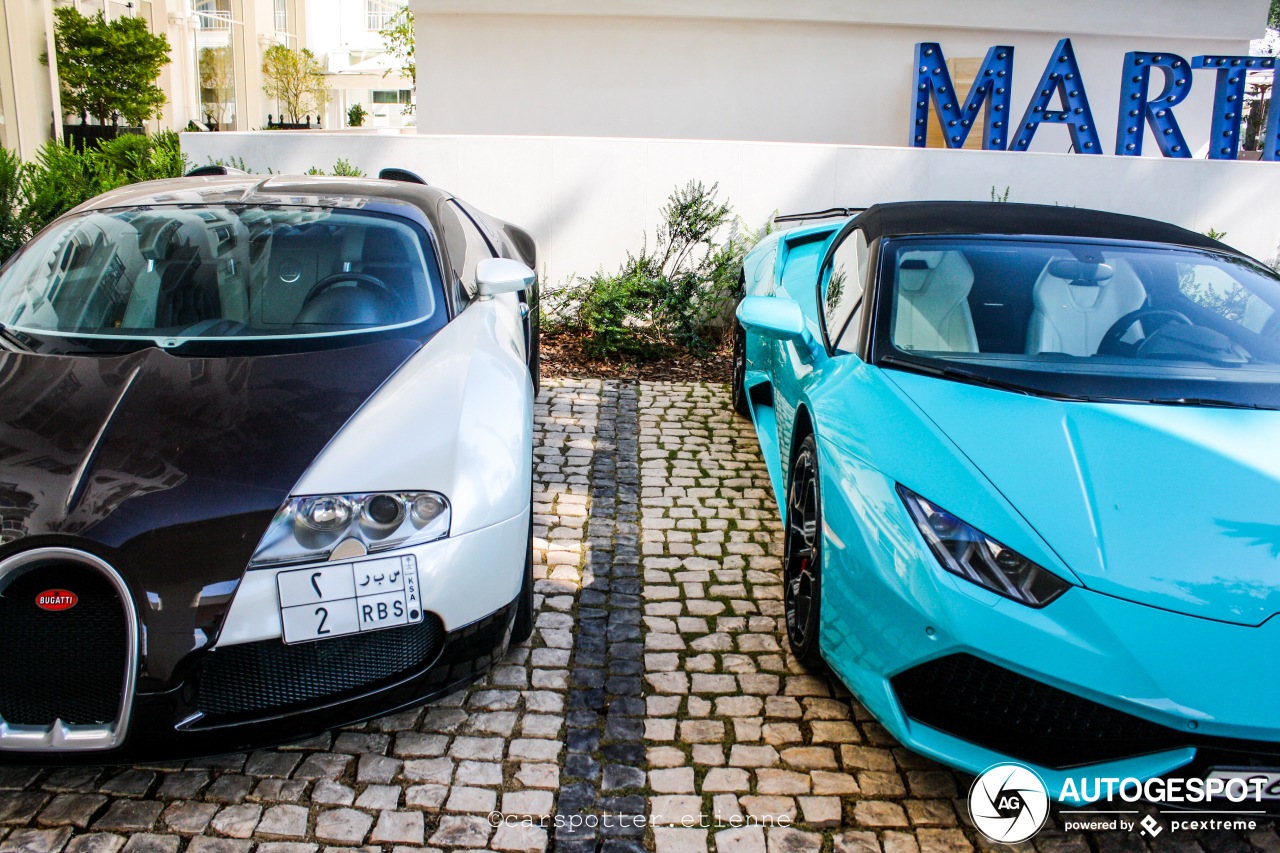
[{"x": 991, "y": 88}]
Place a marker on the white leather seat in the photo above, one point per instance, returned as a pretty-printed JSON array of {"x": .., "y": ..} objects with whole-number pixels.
[
  {"x": 933, "y": 303},
  {"x": 1071, "y": 318}
]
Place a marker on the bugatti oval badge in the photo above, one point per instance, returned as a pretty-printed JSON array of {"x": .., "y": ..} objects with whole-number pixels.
[{"x": 56, "y": 599}]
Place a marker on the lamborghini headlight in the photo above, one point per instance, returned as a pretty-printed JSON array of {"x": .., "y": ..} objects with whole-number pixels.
[
  {"x": 964, "y": 550},
  {"x": 310, "y": 527}
]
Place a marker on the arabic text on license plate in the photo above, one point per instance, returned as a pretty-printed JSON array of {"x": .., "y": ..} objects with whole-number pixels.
[
  {"x": 1269, "y": 779},
  {"x": 319, "y": 602}
]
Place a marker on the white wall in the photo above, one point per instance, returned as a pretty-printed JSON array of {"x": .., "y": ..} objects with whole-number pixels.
[
  {"x": 588, "y": 201},
  {"x": 833, "y": 71}
]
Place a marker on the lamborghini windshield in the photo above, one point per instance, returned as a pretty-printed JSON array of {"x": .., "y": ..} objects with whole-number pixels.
[
  {"x": 1083, "y": 319},
  {"x": 167, "y": 275}
]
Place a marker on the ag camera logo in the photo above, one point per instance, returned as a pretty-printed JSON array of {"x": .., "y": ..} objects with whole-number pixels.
[{"x": 1009, "y": 803}]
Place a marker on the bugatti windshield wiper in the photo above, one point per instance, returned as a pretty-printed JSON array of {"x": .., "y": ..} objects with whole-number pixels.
[{"x": 949, "y": 372}]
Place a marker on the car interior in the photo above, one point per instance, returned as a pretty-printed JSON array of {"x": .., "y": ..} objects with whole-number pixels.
[
  {"x": 1067, "y": 301},
  {"x": 214, "y": 272}
]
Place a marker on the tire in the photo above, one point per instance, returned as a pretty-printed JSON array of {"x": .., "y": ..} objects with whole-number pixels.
[
  {"x": 523, "y": 627},
  {"x": 741, "y": 404},
  {"x": 802, "y": 559}
]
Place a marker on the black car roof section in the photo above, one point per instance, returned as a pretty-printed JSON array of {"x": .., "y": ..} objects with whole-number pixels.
[{"x": 909, "y": 218}]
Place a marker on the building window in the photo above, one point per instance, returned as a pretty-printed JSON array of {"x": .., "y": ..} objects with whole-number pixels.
[
  {"x": 392, "y": 96},
  {"x": 213, "y": 14},
  {"x": 378, "y": 13},
  {"x": 282, "y": 16}
]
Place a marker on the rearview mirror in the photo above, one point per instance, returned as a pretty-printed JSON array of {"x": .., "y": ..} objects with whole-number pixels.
[
  {"x": 772, "y": 317},
  {"x": 502, "y": 275}
]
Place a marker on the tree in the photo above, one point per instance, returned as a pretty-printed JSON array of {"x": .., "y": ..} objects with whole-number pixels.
[
  {"x": 1273, "y": 16},
  {"x": 295, "y": 78},
  {"x": 217, "y": 81},
  {"x": 106, "y": 68},
  {"x": 399, "y": 36}
]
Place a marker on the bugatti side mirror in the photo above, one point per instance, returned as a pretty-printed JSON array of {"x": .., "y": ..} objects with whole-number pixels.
[
  {"x": 502, "y": 275},
  {"x": 213, "y": 170}
]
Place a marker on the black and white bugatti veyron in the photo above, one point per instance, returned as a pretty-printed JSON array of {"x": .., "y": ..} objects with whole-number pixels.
[{"x": 265, "y": 462}]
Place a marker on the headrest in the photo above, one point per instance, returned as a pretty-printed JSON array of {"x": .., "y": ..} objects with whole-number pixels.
[
  {"x": 1080, "y": 273},
  {"x": 914, "y": 269},
  {"x": 920, "y": 271}
]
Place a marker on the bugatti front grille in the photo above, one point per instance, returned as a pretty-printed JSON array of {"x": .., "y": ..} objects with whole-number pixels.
[
  {"x": 980, "y": 702},
  {"x": 62, "y": 664},
  {"x": 268, "y": 676}
]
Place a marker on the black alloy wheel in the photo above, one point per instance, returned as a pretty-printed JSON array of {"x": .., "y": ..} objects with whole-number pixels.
[{"x": 802, "y": 560}]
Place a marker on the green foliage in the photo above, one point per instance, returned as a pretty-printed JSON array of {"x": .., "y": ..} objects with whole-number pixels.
[
  {"x": 356, "y": 115},
  {"x": 105, "y": 68},
  {"x": 399, "y": 38},
  {"x": 1215, "y": 234},
  {"x": 998, "y": 197},
  {"x": 12, "y": 225},
  {"x": 1273, "y": 15},
  {"x": 673, "y": 297},
  {"x": 61, "y": 177},
  {"x": 344, "y": 169},
  {"x": 295, "y": 78},
  {"x": 341, "y": 169},
  {"x": 237, "y": 163}
]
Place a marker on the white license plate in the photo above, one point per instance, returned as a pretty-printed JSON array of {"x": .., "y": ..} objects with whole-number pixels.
[
  {"x": 1270, "y": 779},
  {"x": 333, "y": 599}
]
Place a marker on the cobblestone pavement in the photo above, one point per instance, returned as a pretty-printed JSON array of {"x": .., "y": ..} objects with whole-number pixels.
[{"x": 657, "y": 685}]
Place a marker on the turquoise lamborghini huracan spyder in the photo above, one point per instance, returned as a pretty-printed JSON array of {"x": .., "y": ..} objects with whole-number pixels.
[{"x": 1028, "y": 460}]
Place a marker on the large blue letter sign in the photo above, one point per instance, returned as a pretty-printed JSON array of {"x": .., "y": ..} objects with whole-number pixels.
[
  {"x": 1228, "y": 99},
  {"x": 1271, "y": 144},
  {"x": 1137, "y": 110},
  {"x": 992, "y": 85},
  {"x": 1063, "y": 75}
]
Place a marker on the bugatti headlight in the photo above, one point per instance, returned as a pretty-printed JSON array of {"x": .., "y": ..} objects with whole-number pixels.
[
  {"x": 310, "y": 527},
  {"x": 964, "y": 550}
]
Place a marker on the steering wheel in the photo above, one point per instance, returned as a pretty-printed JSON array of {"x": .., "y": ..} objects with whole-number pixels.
[
  {"x": 1111, "y": 344},
  {"x": 364, "y": 280}
]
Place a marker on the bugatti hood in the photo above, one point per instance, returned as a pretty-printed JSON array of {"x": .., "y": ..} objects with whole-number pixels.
[
  {"x": 170, "y": 467},
  {"x": 1168, "y": 506}
]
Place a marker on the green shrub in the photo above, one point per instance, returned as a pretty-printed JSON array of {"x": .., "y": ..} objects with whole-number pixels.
[
  {"x": 61, "y": 177},
  {"x": 341, "y": 169},
  {"x": 356, "y": 114},
  {"x": 674, "y": 297},
  {"x": 13, "y": 227}
]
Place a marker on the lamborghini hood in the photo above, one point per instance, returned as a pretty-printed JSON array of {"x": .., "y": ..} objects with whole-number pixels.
[{"x": 1176, "y": 507}]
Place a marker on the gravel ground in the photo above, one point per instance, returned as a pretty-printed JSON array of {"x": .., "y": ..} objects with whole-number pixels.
[{"x": 655, "y": 708}]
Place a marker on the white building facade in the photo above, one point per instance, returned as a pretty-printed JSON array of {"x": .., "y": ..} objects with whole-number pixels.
[
  {"x": 826, "y": 71},
  {"x": 347, "y": 36}
]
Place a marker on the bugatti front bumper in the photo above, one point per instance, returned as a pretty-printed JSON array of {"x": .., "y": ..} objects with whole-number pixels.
[{"x": 250, "y": 689}]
